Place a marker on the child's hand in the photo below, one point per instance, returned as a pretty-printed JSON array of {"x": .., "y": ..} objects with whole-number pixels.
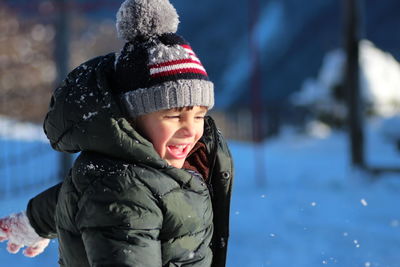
[{"x": 19, "y": 233}]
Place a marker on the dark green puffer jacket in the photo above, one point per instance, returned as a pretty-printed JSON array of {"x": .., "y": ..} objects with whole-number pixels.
[{"x": 121, "y": 204}]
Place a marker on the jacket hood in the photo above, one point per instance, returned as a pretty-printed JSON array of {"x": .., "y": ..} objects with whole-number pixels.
[{"x": 84, "y": 115}]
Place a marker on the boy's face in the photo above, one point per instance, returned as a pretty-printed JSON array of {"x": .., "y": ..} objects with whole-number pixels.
[{"x": 173, "y": 132}]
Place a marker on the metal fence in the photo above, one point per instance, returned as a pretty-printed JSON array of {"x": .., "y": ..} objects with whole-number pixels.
[
  {"x": 27, "y": 162},
  {"x": 29, "y": 68}
]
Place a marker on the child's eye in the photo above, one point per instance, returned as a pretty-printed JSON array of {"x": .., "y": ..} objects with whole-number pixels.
[
  {"x": 173, "y": 117},
  {"x": 200, "y": 117}
]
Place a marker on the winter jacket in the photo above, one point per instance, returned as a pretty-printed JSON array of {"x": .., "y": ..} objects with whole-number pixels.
[{"x": 121, "y": 204}]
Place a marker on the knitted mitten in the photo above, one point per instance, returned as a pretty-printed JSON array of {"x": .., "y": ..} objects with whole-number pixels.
[{"x": 19, "y": 233}]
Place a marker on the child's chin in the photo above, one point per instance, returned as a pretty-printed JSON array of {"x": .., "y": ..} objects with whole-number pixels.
[{"x": 176, "y": 163}]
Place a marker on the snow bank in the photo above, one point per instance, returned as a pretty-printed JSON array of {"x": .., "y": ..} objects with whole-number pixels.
[
  {"x": 15, "y": 130},
  {"x": 379, "y": 81}
]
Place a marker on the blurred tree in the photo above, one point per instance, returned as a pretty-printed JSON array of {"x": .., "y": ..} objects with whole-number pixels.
[
  {"x": 27, "y": 63},
  {"x": 26, "y": 66}
]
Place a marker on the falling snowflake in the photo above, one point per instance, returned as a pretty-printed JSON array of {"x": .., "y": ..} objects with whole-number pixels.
[
  {"x": 394, "y": 223},
  {"x": 364, "y": 202}
]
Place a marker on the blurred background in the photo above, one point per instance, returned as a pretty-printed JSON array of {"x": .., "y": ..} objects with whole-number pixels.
[{"x": 308, "y": 95}]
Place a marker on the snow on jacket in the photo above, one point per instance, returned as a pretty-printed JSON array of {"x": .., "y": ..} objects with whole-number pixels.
[{"x": 121, "y": 204}]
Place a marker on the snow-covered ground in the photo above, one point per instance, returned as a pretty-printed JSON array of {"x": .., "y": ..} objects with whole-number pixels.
[{"x": 313, "y": 209}]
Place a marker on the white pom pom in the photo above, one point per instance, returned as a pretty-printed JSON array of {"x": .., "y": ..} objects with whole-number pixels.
[{"x": 147, "y": 18}]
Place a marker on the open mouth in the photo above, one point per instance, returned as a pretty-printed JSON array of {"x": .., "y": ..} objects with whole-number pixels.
[{"x": 178, "y": 151}]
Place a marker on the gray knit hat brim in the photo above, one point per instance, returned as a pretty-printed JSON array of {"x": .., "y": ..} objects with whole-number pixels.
[{"x": 169, "y": 95}]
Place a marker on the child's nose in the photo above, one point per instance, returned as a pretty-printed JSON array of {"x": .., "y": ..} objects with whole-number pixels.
[{"x": 188, "y": 128}]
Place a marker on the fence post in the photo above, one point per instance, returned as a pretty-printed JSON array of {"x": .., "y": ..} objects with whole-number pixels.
[
  {"x": 61, "y": 55},
  {"x": 256, "y": 93},
  {"x": 352, "y": 85}
]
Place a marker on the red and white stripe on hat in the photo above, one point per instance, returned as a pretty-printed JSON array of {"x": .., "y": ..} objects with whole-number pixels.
[{"x": 179, "y": 66}]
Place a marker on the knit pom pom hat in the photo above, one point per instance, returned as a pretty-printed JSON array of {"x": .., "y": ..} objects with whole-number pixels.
[{"x": 157, "y": 69}]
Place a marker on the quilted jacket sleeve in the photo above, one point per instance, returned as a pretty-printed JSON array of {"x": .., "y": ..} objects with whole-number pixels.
[
  {"x": 120, "y": 227},
  {"x": 41, "y": 211}
]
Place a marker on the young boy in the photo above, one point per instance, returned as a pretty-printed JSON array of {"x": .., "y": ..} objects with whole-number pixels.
[{"x": 152, "y": 184}]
